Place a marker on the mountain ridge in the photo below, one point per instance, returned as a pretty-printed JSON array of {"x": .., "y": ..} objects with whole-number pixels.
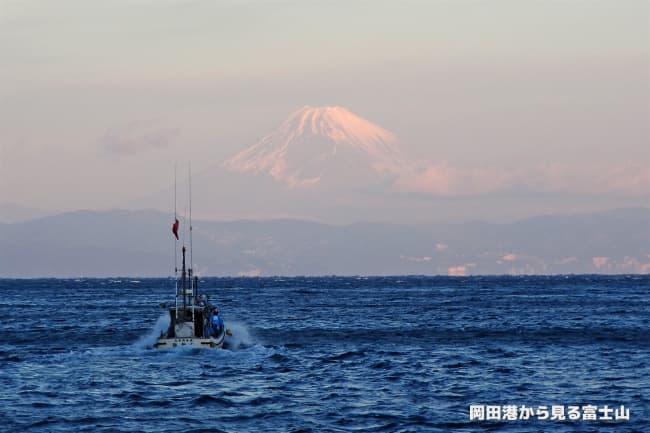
[{"x": 139, "y": 243}]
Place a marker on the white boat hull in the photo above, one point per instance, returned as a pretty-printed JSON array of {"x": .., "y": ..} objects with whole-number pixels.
[{"x": 190, "y": 342}]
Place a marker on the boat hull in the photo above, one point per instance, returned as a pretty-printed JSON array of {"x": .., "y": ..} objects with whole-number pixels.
[{"x": 190, "y": 342}]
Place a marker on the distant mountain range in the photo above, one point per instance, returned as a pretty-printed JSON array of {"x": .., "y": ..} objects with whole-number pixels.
[{"x": 140, "y": 243}]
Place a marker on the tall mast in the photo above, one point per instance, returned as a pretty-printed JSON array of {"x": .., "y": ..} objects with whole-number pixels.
[
  {"x": 175, "y": 218},
  {"x": 183, "y": 284},
  {"x": 175, "y": 247},
  {"x": 191, "y": 282},
  {"x": 190, "y": 182}
]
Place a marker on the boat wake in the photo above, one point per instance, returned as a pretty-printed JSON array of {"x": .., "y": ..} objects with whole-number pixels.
[
  {"x": 240, "y": 338},
  {"x": 147, "y": 341}
]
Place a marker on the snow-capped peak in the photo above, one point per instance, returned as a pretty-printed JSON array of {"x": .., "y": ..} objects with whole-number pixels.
[{"x": 316, "y": 140}]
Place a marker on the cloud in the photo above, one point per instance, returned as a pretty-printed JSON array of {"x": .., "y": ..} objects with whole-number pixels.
[
  {"x": 443, "y": 179},
  {"x": 633, "y": 265},
  {"x": 250, "y": 273},
  {"x": 457, "y": 271},
  {"x": 460, "y": 270},
  {"x": 567, "y": 260},
  {"x": 600, "y": 261},
  {"x": 137, "y": 137},
  {"x": 416, "y": 259},
  {"x": 526, "y": 269},
  {"x": 630, "y": 178}
]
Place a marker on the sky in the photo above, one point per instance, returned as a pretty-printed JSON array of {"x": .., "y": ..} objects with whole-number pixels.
[{"x": 99, "y": 99}]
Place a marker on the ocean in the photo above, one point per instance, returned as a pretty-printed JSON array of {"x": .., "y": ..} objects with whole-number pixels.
[{"x": 331, "y": 354}]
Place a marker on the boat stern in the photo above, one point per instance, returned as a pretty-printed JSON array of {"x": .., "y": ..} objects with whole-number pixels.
[{"x": 190, "y": 342}]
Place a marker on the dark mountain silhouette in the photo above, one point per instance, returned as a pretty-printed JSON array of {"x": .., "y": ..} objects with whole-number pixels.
[{"x": 140, "y": 243}]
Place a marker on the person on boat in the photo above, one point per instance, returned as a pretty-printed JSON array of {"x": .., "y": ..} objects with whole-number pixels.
[{"x": 216, "y": 322}]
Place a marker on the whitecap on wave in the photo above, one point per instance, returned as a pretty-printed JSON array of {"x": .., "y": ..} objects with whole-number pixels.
[
  {"x": 147, "y": 341},
  {"x": 241, "y": 337}
]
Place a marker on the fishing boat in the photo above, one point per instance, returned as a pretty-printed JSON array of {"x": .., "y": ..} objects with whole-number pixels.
[{"x": 193, "y": 320}]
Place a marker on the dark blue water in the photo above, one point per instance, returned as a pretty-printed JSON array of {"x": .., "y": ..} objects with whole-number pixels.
[{"x": 400, "y": 354}]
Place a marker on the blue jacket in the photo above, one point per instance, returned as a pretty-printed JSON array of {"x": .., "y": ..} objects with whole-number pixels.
[{"x": 217, "y": 321}]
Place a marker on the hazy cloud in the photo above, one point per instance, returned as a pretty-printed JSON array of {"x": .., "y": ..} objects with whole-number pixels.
[
  {"x": 443, "y": 179},
  {"x": 460, "y": 270},
  {"x": 633, "y": 265},
  {"x": 417, "y": 259},
  {"x": 250, "y": 273},
  {"x": 509, "y": 257},
  {"x": 567, "y": 260},
  {"x": 441, "y": 247},
  {"x": 631, "y": 178},
  {"x": 137, "y": 137},
  {"x": 457, "y": 271},
  {"x": 600, "y": 261}
]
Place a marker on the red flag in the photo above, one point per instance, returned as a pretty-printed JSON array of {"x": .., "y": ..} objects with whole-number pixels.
[{"x": 175, "y": 228}]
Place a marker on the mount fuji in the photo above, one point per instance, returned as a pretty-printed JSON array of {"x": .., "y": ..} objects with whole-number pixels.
[
  {"x": 321, "y": 163},
  {"x": 324, "y": 146}
]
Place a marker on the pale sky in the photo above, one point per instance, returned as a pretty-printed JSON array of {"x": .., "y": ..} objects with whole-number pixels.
[{"x": 99, "y": 98}]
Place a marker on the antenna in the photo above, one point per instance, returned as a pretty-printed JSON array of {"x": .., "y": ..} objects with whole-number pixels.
[
  {"x": 175, "y": 248},
  {"x": 191, "y": 273},
  {"x": 175, "y": 218},
  {"x": 190, "y": 182}
]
